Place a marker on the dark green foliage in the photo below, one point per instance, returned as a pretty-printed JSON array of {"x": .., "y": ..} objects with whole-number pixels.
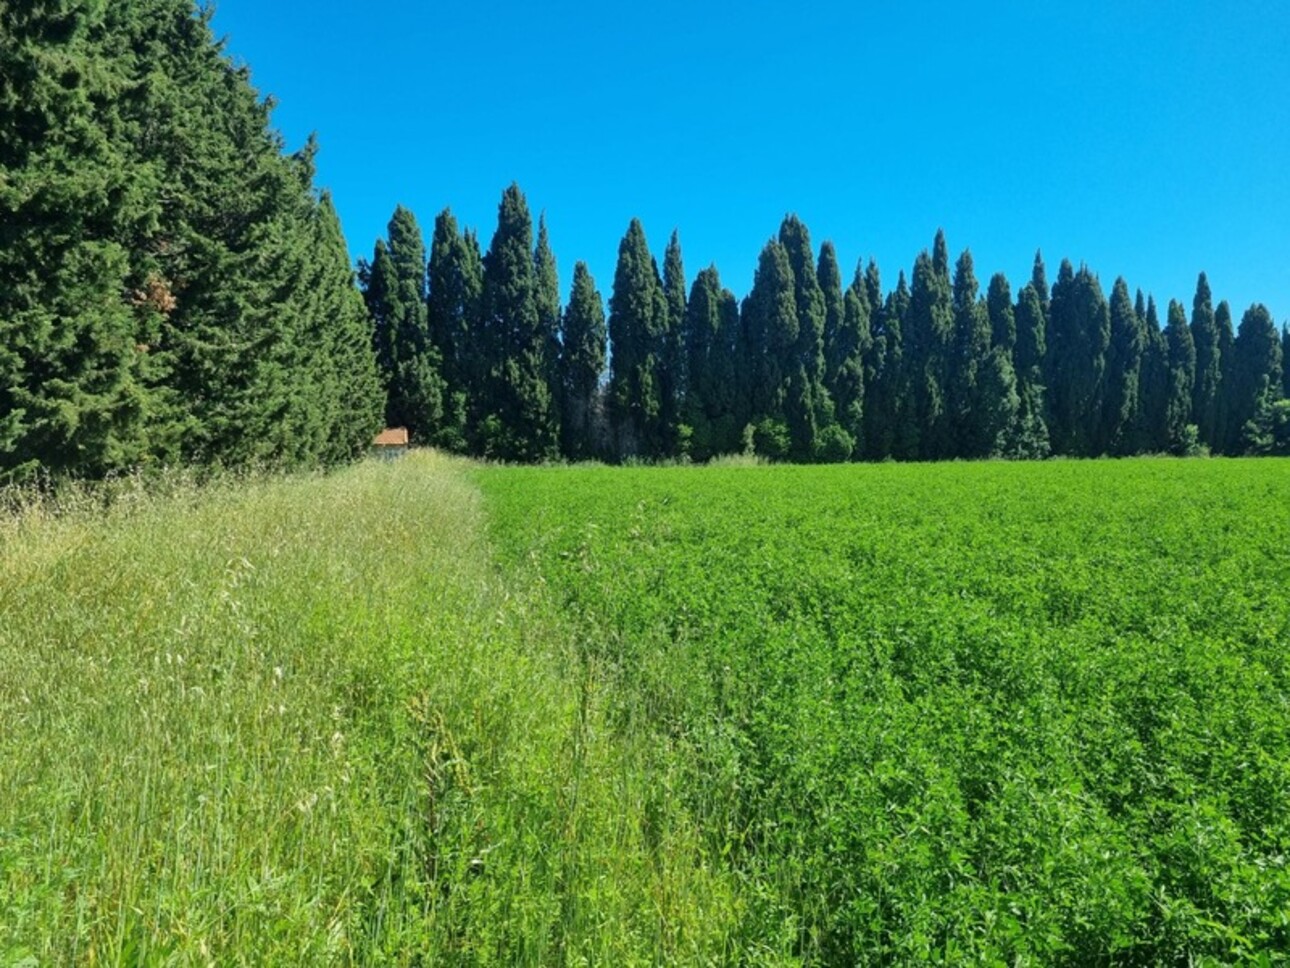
[
  {"x": 582, "y": 361},
  {"x": 1152, "y": 434},
  {"x": 1039, "y": 279},
  {"x": 637, "y": 330},
  {"x": 170, "y": 285},
  {"x": 712, "y": 399},
  {"x": 1079, "y": 331},
  {"x": 829, "y": 275},
  {"x": 1032, "y": 424},
  {"x": 546, "y": 294},
  {"x": 1209, "y": 364},
  {"x": 521, "y": 415},
  {"x": 772, "y": 334},
  {"x": 1123, "y": 373},
  {"x": 1226, "y": 342},
  {"x": 847, "y": 383},
  {"x": 409, "y": 358},
  {"x": 1256, "y": 379},
  {"x": 891, "y": 430},
  {"x": 1285, "y": 361},
  {"x": 1181, "y": 363},
  {"x": 808, "y": 409},
  {"x": 456, "y": 280},
  {"x": 672, "y": 356},
  {"x": 1003, "y": 318},
  {"x": 1268, "y": 433},
  {"x": 971, "y": 412},
  {"x": 929, "y": 340}
]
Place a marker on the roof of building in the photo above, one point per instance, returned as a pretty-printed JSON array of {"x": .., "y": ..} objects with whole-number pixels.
[{"x": 392, "y": 437}]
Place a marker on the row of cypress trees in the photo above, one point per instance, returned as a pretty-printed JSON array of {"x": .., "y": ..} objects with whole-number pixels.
[
  {"x": 172, "y": 287},
  {"x": 478, "y": 356}
]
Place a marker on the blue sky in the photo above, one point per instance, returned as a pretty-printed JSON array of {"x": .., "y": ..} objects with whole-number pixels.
[{"x": 1146, "y": 139}]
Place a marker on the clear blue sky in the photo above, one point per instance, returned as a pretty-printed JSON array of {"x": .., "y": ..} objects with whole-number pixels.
[{"x": 1146, "y": 139}]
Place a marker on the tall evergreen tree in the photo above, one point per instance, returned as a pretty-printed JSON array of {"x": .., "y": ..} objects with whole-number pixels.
[
  {"x": 772, "y": 334},
  {"x": 521, "y": 415},
  {"x": 672, "y": 374},
  {"x": 1003, "y": 318},
  {"x": 852, "y": 350},
  {"x": 929, "y": 337},
  {"x": 1079, "y": 331},
  {"x": 829, "y": 275},
  {"x": 456, "y": 281},
  {"x": 1123, "y": 373},
  {"x": 971, "y": 411},
  {"x": 711, "y": 408},
  {"x": 582, "y": 361},
  {"x": 808, "y": 408},
  {"x": 1039, "y": 279},
  {"x": 546, "y": 282},
  {"x": 1032, "y": 424},
  {"x": 1285, "y": 361},
  {"x": 1226, "y": 342},
  {"x": 1181, "y": 364},
  {"x": 637, "y": 324},
  {"x": 1256, "y": 373},
  {"x": 1209, "y": 364},
  {"x": 1153, "y": 431}
]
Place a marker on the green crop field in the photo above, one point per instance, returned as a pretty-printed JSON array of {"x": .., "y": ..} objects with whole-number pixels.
[{"x": 435, "y": 713}]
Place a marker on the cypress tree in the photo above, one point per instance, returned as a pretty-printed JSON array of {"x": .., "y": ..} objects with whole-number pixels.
[
  {"x": 711, "y": 407},
  {"x": 852, "y": 347},
  {"x": 1153, "y": 431},
  {"x": 1039, "y": 279},
  {"x": 929, "y": 337},
  {"x": 1226, "y": 340},
  {"x": 672, "y": 354},
  {"x": 902, "y": 400},
  {"x": 637, "y": 323},
  {"x": 1181, "y": 364},
  {"x": 414, "y": 381},
  {"x": 1123, "y": 373},
  {"x": 1209, "y": 364},
  {"x": 1257, "y": 373},
  {"x": 1285, "y": 361},
  {"x": 882, "y": 350},
  {"x": 546, "y": 293},
  {"x": 1032, "y": 425},
  {"x": 1079, "y": 332},
  {"x": 829, "y": 275},
  {"x": 456, "y": 280},
  {"x": 773, "y": 338},
  {"x": 582, "y": 361},
  {"x": 521, "y": 416},
  {"x": 1003, "y": 319},
  {"x": 808, "y": 408},
  {"x": 972, "y": 413}
]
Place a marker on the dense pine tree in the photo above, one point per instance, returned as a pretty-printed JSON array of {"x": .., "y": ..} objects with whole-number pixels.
[
  {"x": 1152, "y": 434},
  {"x": 546, "y": 294},
  {"x": 1226, "y": 342},
  {"x": 1209, "y": 364},
  {"x": 1181, "y": 364},
  {"x": 846, "y": 383},
  {"x": 1003, "y": 318},
  {"x": 582, "y": 361}
]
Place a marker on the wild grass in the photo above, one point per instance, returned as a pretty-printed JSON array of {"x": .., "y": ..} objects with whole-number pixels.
[
  {"x": 425, "y": 712},
  {"x": 305, "y": 720}
]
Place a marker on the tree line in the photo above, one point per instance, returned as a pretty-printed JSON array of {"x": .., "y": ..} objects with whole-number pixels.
[
  {"x": 172, "y": 286},
  {"x": 478, "y": 355}
]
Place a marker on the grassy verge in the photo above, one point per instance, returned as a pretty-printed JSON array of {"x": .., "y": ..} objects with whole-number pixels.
[{"x": 306, "y": 721}]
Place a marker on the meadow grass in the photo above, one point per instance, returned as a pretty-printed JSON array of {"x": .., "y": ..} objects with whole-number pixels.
[
  {"x": 424, "y": 712},
  {"x": 305, "y": 720}
]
